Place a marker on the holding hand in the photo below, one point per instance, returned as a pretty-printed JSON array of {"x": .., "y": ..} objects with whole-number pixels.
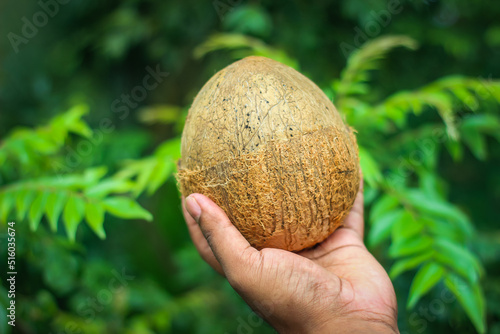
[{"x": 336, "y": 287}]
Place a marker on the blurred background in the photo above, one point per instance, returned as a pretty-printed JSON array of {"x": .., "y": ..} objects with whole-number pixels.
[{"x": 93, "y": 96}]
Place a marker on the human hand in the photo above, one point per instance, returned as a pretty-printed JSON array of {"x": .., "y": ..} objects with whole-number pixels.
[{"x": 337, "y": 286}]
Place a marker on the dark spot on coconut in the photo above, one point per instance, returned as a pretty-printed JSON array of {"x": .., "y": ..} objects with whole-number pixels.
[
  {"x": 248, "y": 114},
  {"x": 291, "y": 129}
]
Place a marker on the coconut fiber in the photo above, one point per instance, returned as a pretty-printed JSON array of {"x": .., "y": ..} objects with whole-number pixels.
[{"x": 266, "y": 144}]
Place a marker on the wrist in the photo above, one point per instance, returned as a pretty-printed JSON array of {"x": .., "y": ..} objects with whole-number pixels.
[{"x": 356, "y": 325}]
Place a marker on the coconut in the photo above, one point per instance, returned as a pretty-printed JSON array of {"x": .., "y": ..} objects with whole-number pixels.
[{"x": 267, "y": 145}]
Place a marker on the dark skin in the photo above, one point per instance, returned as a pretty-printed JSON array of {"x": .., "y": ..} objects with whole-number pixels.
[{"x": 335, "y": 287}]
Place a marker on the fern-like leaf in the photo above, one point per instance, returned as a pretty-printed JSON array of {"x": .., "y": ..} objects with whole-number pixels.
[
  {"x": 32, "y": 148},
  {"x": 151, "y": 172},
  {"x": 74, "y": 197},
  {"x": 441, "y": 95},
  {"x": 242, "y": 46},
  {"x": 354, "y": 77},
  {"x": 420, "y": 231}
]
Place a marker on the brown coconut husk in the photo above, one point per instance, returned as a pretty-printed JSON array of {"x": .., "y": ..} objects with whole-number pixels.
[{"x": 264, "y": 143}]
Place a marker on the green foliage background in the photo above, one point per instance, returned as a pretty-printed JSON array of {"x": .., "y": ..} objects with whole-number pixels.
[{"x": 88, "y": 177}]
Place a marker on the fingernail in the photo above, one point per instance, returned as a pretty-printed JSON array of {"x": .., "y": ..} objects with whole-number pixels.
[{"x": 193, "y": 208}]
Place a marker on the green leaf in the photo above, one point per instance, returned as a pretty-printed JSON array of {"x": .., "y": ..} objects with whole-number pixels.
[
  {"x": 7, "y": 200},
  {"x": 93, "y": 175},
  {"x": 160, "y": 113},
  {"x": 371, "y": 171},
  {"x": 170, "y": 148},
  {"x": 109, "y": 186},
  {"x": 81, "y": 128},
  {"x": 34, "y": 148},
  {"x": 464, "y": 95},
  {"x": 443, "y": 228},
  {"x": 94, "y": 214},
  {"x": 411, "y": 246},
  {"x": 3, "y": 156},
  {"x": 24, "y": 198},
  {"x": 425, "y": 279},
  {"x": 72, "y": 120},
  {"x": 471, "y": 297},
  {"x": 161, "y": 172},
  {"x": 409, "y": 263},
  {"x": 431, "y": 185},
  {"x": 125, "y": 207},
  {"x": 455, "y": 149},
  {"x": 485, "y": 123},
  {"x": 43, "y": 142},
  {"x": 385, "y": 204},
  {"x": 54, "y": 207},
  {"x": 365, "y": 59},
  {"x": 440, "y": 209},
  {"x": 476, "y": 143},
  {"x": 441, "y": 96},
  {"x": 36, "y": 210},
  {"x": 369, "y": 194},
  {"x": 73, "y": 214},
  {"x": 406, "y": 228},
  {"x": 459, "y": 258},
  {"x": 382, "y": 227},
  {"x": 245, "y": 44},
  {"x": 144, "y": 175}
]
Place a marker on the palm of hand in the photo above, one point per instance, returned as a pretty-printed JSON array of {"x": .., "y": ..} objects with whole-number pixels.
[{"x": 337, "y": 282}]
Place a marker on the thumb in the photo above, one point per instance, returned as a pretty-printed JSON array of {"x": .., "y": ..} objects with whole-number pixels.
[{"x": 226, "y": 242}]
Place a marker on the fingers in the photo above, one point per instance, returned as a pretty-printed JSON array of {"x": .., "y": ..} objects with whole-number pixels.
[
  {"x": 355, "y": 220},
  {"x": 351, "y": 233},
  {"x": 199, "y": 240},
  {"x": 229, "y": 247}
]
